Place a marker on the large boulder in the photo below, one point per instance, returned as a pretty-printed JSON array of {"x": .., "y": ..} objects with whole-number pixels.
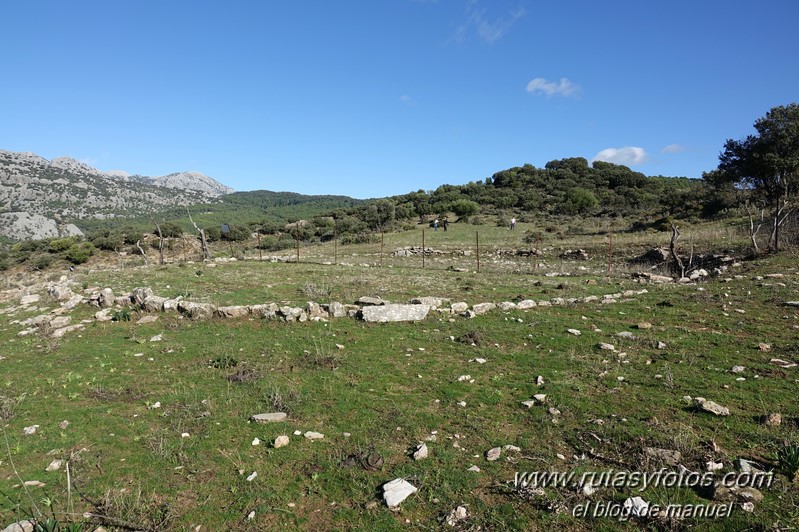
[
  {"x": 264, "y": 311},
  {"x": 196, "y": 311},
  {"x": 394, "y": 312},
  {"x": 138, "y": 295},
  {"x": 154, "y": 303},
  {"x": 236, "y": 311},
  {"x": 106, "y": 298}
]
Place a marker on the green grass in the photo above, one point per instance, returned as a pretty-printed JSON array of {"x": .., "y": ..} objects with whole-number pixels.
[{"x": 389, "y": 388}]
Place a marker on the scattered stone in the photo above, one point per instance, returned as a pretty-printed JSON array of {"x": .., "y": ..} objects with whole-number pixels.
[
  {"x": 465, "y": 378},
  {"x": 269, "y": 418},
  {"x": 636, "y": 507},
  {"x": 33, "y": 484},
  {"x": 749, "y": 494},
  {"x": 626, "y": 334},
  {"x": 666, "y": 456},
  {"x": 525, "y": 304},
  {"x": 432, "y": 302},
  {"x": 396, "y": 491},
  {"x": 29, "y": 299},
  {"x": 150, "y": 318},
  {"x": 709, "y": 406},
  {"x": 483, "y": 308},
  {"x": 30, "y": 431},
  {"x": 553, "y": 411},
  {"x": 644, "y": 325},
  {"x": 748, "y": 507},
  {"x": 421, "y": 452},
  {"x": 539, "y": 381},
  {"x": 28, "y": 525},
  {"x": 662, "y": 345},
  {"x": 311, "y": 435},
  {"x": 738, "y": 369},
  {"x": 459, "y": 307},
  {"x": 252, "y": 476},
  {"x": 784, "y": 364},
  {"x": 493, "y": 454},
  {"x": 474, "y": 469},
  {"x": 747, "y": 466},
  {"x": 63, "y": 425},
  {"x": 505, "y": 306},
  {"x": 774, "y": 419},
  {"x": 456, "y": 516},
  {"x": 256, "y": 442},
  {"x": 157, "y": 338},
  {"x": 575, "y": 332},
  {"x": 606, "y": 347},
  {"x": 281, "y": 441},
  {"x": 714, "y": 466},
  {"x": 55, "y": 465},
  {"x": 540, "y": 398},
  {"x": 764, "y": 347},
  {"x": 236, "y": 311}
]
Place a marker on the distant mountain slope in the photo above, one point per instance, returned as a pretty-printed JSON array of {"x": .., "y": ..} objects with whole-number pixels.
[
  {"x": 251, "y": 207},
  {"x": 67, "y": 190}
]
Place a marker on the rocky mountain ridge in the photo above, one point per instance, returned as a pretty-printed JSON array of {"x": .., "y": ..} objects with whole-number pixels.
[{"x": 65, "y": 190}]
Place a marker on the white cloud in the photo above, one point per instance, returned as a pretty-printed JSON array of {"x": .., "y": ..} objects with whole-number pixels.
[
  {"x": 407, "y": 100},
  {"x": 489, "y": 29},
  {"x": 551, "y": 88},
  {"x": 673, "y": 148},
  {"x": 628, "y": 156}
]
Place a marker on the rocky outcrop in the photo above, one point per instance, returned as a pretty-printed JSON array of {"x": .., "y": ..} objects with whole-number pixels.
[
  {"x": 30, "y": 226},
  {"x": 66, "y": 189}
]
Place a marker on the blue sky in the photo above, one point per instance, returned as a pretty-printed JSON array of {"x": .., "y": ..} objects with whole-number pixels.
[{"x": 370, "y": 98}]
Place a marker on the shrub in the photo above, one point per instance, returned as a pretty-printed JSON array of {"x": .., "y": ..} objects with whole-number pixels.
[
  {"x": 223, "y": 362},
  {"x": 170, "y": 230},
  {"x": 59, "y": 245},
  {"x": 79, "y": 253},
  {"x": 276, "y": 243},
  {"x": 121, "y": 315},
  {"x": 360, "y": 238},
  {"x": 40, "y": 262}
]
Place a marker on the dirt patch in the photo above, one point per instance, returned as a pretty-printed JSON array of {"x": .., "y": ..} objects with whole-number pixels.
[{"x": 471, "y": 338}]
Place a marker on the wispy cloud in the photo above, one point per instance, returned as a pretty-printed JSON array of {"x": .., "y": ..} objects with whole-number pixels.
[
  {"x": 628, "y": 156},
  {"x": 407, "y": 100},
  {"x": 552, "y": 88},
  {"x": 489, "y": 28},
  {"x": 673, "y": 148}
]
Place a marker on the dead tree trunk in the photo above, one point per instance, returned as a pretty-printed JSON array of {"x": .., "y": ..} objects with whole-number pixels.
[
  {"x": 675, "y": 234},
  {"x": 160, "y": 241},
  {"x": 203, "y": 242},
  {"x": 143, "y": 254},
  {"x": 781, "y": 213},
  {"x": 754, "y": 230}
]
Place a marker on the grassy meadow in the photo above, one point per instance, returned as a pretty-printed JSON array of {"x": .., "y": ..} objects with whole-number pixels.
[{"x": 377, "y": 390}]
